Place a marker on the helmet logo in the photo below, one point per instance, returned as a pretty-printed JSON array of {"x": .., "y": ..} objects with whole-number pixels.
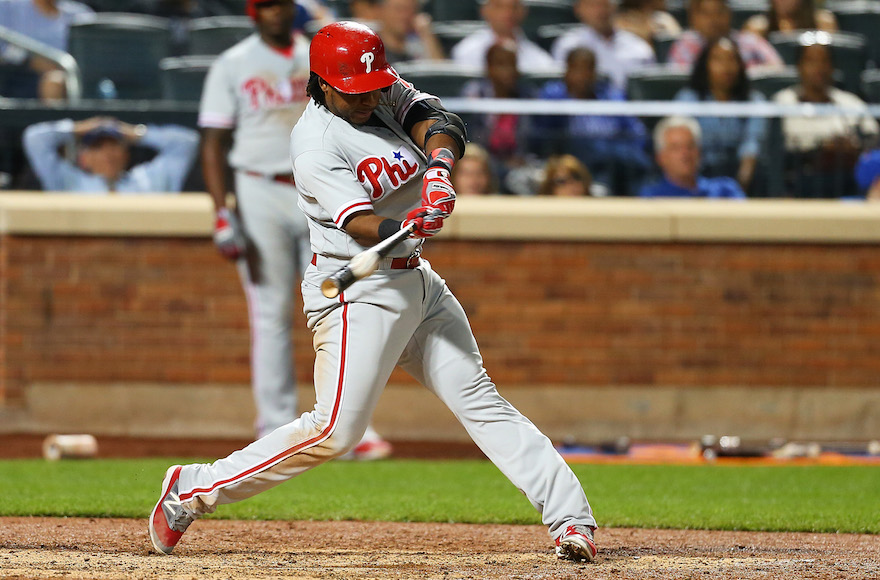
[{"x": 367, "y": 58}]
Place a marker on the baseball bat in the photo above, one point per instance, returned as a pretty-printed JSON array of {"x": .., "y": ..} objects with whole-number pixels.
[{"x": 363, "y": 264}]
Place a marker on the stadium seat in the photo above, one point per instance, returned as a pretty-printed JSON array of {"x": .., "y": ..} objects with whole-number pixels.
[
  {"x": 442, "y": 79},
  {"x": 771, "y": 81},
  {"x": 861, "y": 17},
  {"x": 871, "y": 85},
  {"x": 184, "y": 76},
  {"x": 451, "y": 32},
  {"x": 214, "y": 34},
  {"x": 849, "y": 51},
  {"x": 124, "y": 48},
  {"x": 546, "y": 12},
  {"x": 656, "y": 83},
  {"x": 678, "y": 9},
  {"x": 662, "y": 42},
  {"x": 540, "y": 78},
  {"x": 446, "y": 10},
  {"x": 742, "y": 10},
  {"x": 547, "y": 34}
]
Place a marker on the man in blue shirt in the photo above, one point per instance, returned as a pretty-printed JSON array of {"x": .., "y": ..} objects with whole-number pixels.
[
  {"x": 103, "y": 156},
  {"x": 677, "y": 149}
]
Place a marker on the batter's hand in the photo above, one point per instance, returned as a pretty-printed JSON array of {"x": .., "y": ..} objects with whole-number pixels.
[
  {"x": 229, "y": 235},
  {"x": 428, "y": 221},
  {"x": 437, "y": 190}
]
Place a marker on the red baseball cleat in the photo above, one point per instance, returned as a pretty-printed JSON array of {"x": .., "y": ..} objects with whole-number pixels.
[
  {"x": 576, "y": 543},
  {"x": 169, "y": 520}
]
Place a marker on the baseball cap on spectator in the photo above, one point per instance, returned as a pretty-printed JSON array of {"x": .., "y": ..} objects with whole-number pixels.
[
  {"x": 868, "y": 168},
  {"x": 100, "y": 133}
]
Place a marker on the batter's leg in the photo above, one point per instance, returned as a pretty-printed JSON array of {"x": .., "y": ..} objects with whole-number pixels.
[
  {"x": 443, "y": 356},
  {"x": 269, "y": 277},
  {"x": 357, "y": 346}
]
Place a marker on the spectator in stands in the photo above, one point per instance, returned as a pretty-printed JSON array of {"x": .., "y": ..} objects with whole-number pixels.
[
  {"x": 46, "y": 21},
  {"x": 710, "y": 20},
  {"x": 618, "y": 52},
  {"x": 472, "y": 174},
  {"x": 406, "y": 32},
  {"x": 868, "y": 174},
  {"x": 646, "y": 19},
  {"x": 612, "y": 147},
  {"x": 822, "y": 150},
  {"x": 677, "y": 147},
  {"x": 787, "y": 15},
  {"x": 730, "y": 145},
  {"x": 507, "y": 136},
  {"x": 103, "y": 156},
  {"x": 503, "y": 19},
  {"x": 364, "y": 10},
  {"x": 566, "y": 176}
]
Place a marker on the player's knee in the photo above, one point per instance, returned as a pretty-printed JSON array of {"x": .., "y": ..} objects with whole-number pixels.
[{"x": 340, "y": 443}]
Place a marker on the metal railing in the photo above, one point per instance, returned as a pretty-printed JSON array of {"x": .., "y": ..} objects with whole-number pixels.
[{"x": 62, "y": 59}]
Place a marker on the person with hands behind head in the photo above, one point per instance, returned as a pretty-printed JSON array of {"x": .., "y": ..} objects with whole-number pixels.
[
  {"x": 371, "y": 155},
  {"x": 103, "y": 156}
]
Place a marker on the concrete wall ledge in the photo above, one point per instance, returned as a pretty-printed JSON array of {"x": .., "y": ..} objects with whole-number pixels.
[{"x": 491, "y": 217}]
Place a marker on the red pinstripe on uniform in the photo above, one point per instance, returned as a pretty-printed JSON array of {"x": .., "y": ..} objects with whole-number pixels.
[{"x": 324, "y": 434}]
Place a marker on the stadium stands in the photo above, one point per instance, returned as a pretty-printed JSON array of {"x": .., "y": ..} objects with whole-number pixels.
[
  {"x": 214, "y": 34},
  {"x": 135, "y": 53},
  {"x": 849, "y": 52},
  {"x": 124, "y": 48},
  {"x": 183, "y": 76}
]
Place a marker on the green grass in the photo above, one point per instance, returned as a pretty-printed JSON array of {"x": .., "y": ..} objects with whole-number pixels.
[{"x": 795, "y": 498}]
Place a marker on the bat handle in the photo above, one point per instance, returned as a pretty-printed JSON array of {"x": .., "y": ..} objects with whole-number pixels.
[{"x": 338, "y": 282}]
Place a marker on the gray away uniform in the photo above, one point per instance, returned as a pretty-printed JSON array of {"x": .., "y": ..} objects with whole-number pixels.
[{"x": 396, "y": 316}]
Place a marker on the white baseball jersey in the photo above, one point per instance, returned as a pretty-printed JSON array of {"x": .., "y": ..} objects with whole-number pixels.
[
  {"x": 256, "y": 89},
  {"x": 341, "y": 169}
]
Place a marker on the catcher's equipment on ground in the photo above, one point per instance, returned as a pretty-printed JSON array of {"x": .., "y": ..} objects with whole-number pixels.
[{"x": 350, "y": 58}]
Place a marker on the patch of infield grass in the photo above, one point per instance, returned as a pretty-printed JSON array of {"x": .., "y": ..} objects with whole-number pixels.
[{"x": 793, "y": 498}]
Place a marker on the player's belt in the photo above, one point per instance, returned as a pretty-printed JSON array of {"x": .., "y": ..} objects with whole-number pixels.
[
  {"x": 286, "y": 178},
  {"x": 388, "y": 263}
]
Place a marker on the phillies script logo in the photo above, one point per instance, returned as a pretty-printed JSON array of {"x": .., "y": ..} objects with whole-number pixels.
[
  {"x": 262, "y": 94},
  {"x": 397, "y": 171}
]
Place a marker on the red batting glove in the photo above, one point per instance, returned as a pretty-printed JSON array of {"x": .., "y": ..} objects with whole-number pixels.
[
  {"x": 437, "y": 190},
  {"x": 428, "y": 221},
  {"x": 229, "y": 235}
]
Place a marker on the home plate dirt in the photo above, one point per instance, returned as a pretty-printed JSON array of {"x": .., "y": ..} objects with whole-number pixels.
[{"x": 219, "y": 549}]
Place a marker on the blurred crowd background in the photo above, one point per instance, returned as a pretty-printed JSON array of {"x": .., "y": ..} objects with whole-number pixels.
[{"x": 804, "y": 72}]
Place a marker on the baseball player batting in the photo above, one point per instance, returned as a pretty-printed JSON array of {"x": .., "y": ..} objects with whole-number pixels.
[
  {"x": 253, "y": 95},
  {"x": 371, "y": 156}
]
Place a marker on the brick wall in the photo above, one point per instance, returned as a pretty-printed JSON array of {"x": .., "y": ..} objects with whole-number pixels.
[{"x": 98, "y": 309}]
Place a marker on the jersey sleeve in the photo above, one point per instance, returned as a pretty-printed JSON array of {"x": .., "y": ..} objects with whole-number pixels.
[
  {"x": 217, "y": 108},
  {"x": 327, "y": 179},
  {"x": 402, "y": 95}
]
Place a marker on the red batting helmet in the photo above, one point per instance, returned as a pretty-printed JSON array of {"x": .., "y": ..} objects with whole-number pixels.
[{"x": 351, "y": 58}]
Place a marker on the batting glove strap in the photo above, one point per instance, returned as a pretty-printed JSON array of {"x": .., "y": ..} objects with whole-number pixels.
[
  {"x": 428, "y": 222},
  {"x": 437, "y": 190},
  {"x": 228, "y": 234}
]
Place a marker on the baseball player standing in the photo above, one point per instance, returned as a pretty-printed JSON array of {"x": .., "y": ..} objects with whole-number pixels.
[
  {"x": 372, "y": 155},
  {"x": 254, "y": 94}
]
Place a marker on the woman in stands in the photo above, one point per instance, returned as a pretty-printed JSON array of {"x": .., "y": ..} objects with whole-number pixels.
[
  {"x": 787, "y": 15},
  {"x": 731, "y": 145}
]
